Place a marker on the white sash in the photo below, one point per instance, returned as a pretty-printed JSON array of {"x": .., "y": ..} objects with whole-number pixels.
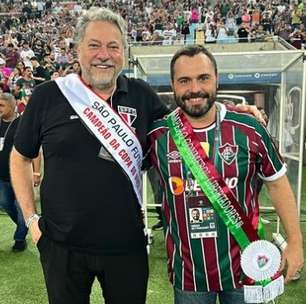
[{"x": 108, "y": 127}]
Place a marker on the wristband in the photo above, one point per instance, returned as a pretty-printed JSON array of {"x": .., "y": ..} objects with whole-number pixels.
[
  {"x": 31, "y": 219},
  {"x": 36, "y": 173}
]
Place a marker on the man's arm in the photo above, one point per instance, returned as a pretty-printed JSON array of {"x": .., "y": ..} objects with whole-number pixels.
[
  {"x": 22, "y": 180},
  {"x": 36, "y": 164},
  {"x": 284, "y": 202},
  {"x": 253, "y": 110}
]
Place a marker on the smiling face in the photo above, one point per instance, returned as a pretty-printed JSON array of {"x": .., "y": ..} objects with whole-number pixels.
[
  {"x": 195, "y": 214},
  {"x": 101, "y": 55},
  {"x": 194, "y": 84}
]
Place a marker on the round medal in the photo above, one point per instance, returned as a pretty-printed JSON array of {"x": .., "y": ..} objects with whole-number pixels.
[{"x": 260, "y": 260}]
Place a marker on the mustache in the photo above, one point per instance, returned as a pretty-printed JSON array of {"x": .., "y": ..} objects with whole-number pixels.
[
  {"x": 195, "y": 95},
  {"x": 103, "y": 62}
]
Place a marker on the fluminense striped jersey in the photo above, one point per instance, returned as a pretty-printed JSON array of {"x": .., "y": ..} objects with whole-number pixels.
[{"x": 245, "y": 154}]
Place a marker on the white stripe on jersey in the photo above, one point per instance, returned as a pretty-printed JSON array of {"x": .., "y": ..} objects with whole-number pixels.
[
  {"x": 230, "y": 257},
  {"x": 204, "y": 262}
]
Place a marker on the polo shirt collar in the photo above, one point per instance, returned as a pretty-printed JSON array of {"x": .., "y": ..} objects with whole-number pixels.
[{"x": 122, "y": 84}]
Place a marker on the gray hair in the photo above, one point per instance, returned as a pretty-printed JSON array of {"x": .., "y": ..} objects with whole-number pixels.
[
  {"x": 99, "y": 14},
  {"x": 9, "y": 98}
]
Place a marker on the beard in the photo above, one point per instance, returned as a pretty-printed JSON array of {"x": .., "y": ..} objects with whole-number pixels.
[
  {"x": 197, "y": 110},
  {"x": 100, "y": 80}
]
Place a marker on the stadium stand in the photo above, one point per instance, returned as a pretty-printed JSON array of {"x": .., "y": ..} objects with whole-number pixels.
[{"x": 45, "y": 29}]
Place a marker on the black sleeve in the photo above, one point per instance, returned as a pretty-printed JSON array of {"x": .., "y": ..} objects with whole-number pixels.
[
  {"x": 157, "y": 109},
  {"x": 27, "y": 138}
]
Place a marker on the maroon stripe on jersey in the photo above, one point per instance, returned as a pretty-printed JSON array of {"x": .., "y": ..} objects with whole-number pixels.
[
  {"x": 211, "y": 263},
  {"x": 235, "y": 256},
  {"x": 175, "y": 169},
  {"x": 170, "y": 249}
]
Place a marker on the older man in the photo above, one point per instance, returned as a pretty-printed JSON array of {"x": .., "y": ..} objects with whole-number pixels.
[{"x": 92, "y": 170}]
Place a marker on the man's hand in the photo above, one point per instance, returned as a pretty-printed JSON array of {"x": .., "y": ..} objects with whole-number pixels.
[
  {"x": 252, "y": 110},
  {"x": 285, "y": 206},
  {"x": 293, "y": 260},
  {"x": 35, "y": 232}
]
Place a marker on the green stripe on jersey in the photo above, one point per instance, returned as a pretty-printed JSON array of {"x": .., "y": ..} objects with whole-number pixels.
[{"x": 177, "y": 263}]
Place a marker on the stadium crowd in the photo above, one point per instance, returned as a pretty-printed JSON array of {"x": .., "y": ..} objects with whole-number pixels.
[{"x": 36, "y": 38}]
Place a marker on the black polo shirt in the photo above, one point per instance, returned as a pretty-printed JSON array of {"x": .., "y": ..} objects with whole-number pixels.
[{"x": 87, "y": 202}]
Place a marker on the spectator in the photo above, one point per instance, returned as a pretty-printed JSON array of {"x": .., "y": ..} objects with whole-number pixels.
[
  {"x": 8, "y": 126},
  {"x": 243, "y": 33},
  {"x": 23, "y": 89},
  {"x": 26, "y": 54},
  {"x": 221, "y": 33},
  {"x": 296, "y": 16},
  {"x": 40, "y": 74},
  {"x": 12, "y": 56},
  {"x": 38, "y": 49},
  {"x": 210, "y": 34},
  {"x": 3, "y": 76},
  {"x": 185, "y": 30}
]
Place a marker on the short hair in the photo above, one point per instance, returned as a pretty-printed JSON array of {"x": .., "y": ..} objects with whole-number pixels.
[
  {"x": 190, "y": 51},
  {"x": 99, "y": 14},
  {"x": 9, "y": 98}
]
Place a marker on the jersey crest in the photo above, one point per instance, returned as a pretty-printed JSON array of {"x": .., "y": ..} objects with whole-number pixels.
[
  {"x": 128, "y": 114},
  {"x": 228, "y": 153}
]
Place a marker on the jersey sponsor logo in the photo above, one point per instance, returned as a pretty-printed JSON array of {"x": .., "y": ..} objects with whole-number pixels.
[
  {"x": 174, "y": 157},
  {"x": 128, "y": 114},
  {"x": 176, "y": 185},
  {"x": 228, "y": 153},
  {"x": 191, "y": 187}
]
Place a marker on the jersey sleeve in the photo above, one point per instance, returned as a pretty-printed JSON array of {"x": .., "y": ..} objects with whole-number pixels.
[
  {"x": 157, "y": 130},
  {"x": 271, "y": 164}
]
